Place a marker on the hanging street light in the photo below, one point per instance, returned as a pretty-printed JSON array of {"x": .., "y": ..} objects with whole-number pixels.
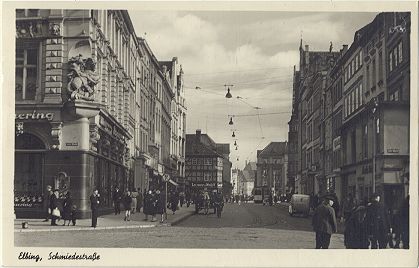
[
  {"x": 231, "y": 121},
  {"x": 234, "y": 135},
  {"x": 236, "y": 148},
  {"x": 228, "y": 95},
  {"x": 235, "y": 143}
]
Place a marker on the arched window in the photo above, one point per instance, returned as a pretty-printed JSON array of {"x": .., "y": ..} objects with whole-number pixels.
[{"x": 27, "y": 141}]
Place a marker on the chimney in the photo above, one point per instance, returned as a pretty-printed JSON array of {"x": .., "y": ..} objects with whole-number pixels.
[
  {"x": 198, "y": 135},
  {"x": 345, "y": 48}
]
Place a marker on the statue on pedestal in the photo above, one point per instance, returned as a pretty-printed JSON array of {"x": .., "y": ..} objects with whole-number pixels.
[{"x": 82, "y": 79}]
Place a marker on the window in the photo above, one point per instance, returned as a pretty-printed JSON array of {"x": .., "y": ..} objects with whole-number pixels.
[
  {"x": 353, "y": 147},
  {"x": 368, "y": 77},
  {"x": 373, "y": 79},
  {"x": 390, "y": 63},
  {"x": 26, "y": 73},
  {"x": 380, "y": 66},
  {"x": 365, "y": 142},
  {"x": 400, "y": 50}
]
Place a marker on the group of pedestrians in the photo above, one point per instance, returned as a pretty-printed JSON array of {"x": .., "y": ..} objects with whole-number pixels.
[
  {"x": 372, "y": 225},
  {"x": 367, "y": 225},
  {"x": 56, "y": 210},
  {"x": 132, "y": 201}
]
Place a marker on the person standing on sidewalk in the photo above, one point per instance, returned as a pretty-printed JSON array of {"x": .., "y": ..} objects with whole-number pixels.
[
  {"x": 147, "y": 204},
  {"x": 324, "y": 223},
  {"x": 126, "y": 202},
  {"x": 69, "y": 210},
  {"x": 174, "y": 200},
  {"x": 404, "y": 222},
  {"x": 47, "y": 207},
  {"x": 377, "y": 222},
  {"x": 134, "y": 196},
  {"x": 139, "y": 200},
  {"x": 53, "y": 203},
  {"x": 117, "y": 195},
  {"x": 160, "y": 205},
  {"x": 94, "y": 205}
]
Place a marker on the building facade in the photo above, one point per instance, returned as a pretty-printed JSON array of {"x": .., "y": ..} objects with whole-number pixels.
[
  {"x": 204, "y": 165},
  {"x": 272, "y": 165},
  {"x": 363, "y": 112},
  {"x": 86, "y": 93}
]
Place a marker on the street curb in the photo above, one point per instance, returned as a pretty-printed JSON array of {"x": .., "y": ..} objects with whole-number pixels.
[
  {"x": 84, "y": 228},
  {"x": 182, "y": 218}
]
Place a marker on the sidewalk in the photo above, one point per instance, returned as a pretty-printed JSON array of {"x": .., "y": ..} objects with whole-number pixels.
[{"x": 105, "y": 222}]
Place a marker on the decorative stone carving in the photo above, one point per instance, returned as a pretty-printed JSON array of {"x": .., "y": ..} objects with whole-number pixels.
[
  {"x": 29, "y": 29},
  {"x": 94, "y": 137},
  {"x": 82, "y": 79},
  {"x": 55, "y": 29}
]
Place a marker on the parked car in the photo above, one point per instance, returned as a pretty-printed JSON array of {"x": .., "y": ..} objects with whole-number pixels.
[{"x": 299, "y": 204}]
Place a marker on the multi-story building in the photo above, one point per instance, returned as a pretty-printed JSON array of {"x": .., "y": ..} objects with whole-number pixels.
[
  {"x": 178, "y": 115},
  {"x": 293, "y": 145},
  {"x": 272, "y": 165},
  {"x": 333, "y": 105},
  {"x": 247, "y": 178},
  {"x": 395, "y": 111},
  {"x": 310, "y": 85},
  {"x": 75, "y": 105},
  {"x": 91, "y": 109},
  {"x": 375, "y": 128},
  {"x": 204, "y": 165}
]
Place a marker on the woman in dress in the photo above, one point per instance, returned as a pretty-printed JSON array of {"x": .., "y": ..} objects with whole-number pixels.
[
  {"x": 68, "y": 210},
  {"x": 126, "y": 201}
]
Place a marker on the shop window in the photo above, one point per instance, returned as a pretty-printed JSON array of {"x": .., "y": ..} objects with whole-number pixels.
[
  {"x": 28, "y": 180},
  {"x": 26, "y": 73},
  {"x": 62, "y": 184}
]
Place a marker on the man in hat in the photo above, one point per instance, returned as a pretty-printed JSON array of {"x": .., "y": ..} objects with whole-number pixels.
[
  {"x": 47, "y": 207},
  {"x": 324, "y": 222},
  {"x": 94, "y": 205},
  {"x": 377, "y": 223}
]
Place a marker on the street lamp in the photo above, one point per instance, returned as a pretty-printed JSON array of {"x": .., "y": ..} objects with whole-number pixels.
[
  {"x": 228, "y": 95},
  {"x": 231, "y": 121},
  {"x": 233, "y": 135}
]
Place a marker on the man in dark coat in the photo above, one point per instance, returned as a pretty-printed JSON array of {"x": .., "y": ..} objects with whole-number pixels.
[
  {"x": 47, "y": 207},
  {"x": 324, "y": 223},
  {"x": 53, "y": 204},
  {"x": 94, "y": 205},
  {"x": 356, "y": 233},
  {"x": 117, "y": 196},
  {"x": 377, "y": 223},
  {"x": 404, "y": 222}
]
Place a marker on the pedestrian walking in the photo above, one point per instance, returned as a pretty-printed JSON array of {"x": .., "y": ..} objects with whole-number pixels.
[
  {"x": 324, "y": 223},
  {"x": 46, "y": 202},
  {"x": 140, "y": 199},
  {"x": 117, "y": 196},
  {"x": 69, "y": 210},
  {"x": 134, "y": 196},
  {"x": 348, "y": 206},
  {"x": 377, "y": 223},
  {"x": 148, "y": 200},
  {"x": 356, "y": 232},
  {"x": 174, "y": 201},
  {"x": 94, "y": 206},
  {"x": 181, "y": 198},
  {"x": 404, "y": 222},
  {"x": 55, "y": 212},
  {"x": 188, "y": 198},
  {"x": 160, "y": 205},
  {"x": 126, "y": 202}
]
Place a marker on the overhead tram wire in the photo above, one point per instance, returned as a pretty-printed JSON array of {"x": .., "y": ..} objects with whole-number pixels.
[{"x": 239, "y": 71}]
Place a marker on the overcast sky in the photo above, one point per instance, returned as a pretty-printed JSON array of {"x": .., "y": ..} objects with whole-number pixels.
[{"x": 254, "y": 51}]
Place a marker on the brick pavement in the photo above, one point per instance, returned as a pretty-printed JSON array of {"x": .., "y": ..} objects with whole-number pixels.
[{"x": 105, "y": 222}]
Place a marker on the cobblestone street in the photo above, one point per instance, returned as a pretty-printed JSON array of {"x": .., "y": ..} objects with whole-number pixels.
[{"x": 241, "y": 226}]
